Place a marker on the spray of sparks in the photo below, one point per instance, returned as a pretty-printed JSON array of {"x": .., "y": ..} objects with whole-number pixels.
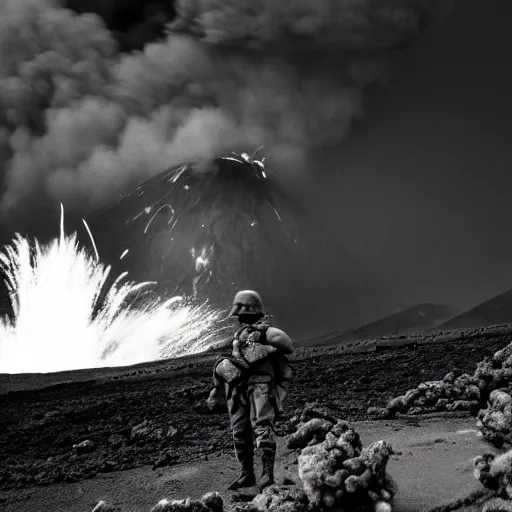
[
  {"x": 209, "y": 227},
  {"x": 66, "y": 317}
]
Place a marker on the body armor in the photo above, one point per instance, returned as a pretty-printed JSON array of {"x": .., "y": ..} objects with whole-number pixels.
[{"x": 252, "y": 359}]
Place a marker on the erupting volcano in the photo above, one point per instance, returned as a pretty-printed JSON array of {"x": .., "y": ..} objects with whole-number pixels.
[
  {"x": 206, "y": 230},
  {"x": 82, "y": 122}
]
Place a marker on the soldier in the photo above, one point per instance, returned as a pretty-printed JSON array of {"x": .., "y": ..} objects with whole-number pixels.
[{"x": 251, "y": 379}]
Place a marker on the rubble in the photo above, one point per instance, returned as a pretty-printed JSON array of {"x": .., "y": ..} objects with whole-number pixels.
[
  {"x": 495, "y": 474},
  {"x": 449, "y": 394},
  {"x": 337, "y": 472},
  {"x": 210, "y": 502},
  {"x": 334, "y": 469},
  {"x": 497, "y": 505},
  {"x": 84, "y": 447},
  {"x": 103, "y": 506},
  {"x": 214, "y": 501},
  {"x": 453, "y": 393},
  {"x": 495, "y": 422},
  {"x": 165, "y": 459},
  {"x": 148, "y": 431},
  {"x": 277, "y": 499},
  {"x": 312, "y": 431},
  {"x": 491, "y": 384},
  {"x": 312, "y": 410},
  {"x": 187, "y": 505}
]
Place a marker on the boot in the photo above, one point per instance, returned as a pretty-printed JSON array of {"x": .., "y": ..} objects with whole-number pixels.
[
  {"x": 267, "y": 476},
  {"x": 247, "y": 477}
]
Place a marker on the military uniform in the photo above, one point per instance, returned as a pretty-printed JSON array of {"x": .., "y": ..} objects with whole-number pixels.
[
  {"x": 252, "y": 402},
  {"x": 253, "y": 377}
]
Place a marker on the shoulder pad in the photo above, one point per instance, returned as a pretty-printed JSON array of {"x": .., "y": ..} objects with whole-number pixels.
[{"x": 261, "y": 326}]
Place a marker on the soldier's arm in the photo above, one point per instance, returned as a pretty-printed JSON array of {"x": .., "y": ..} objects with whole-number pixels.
[
  {"x": 280, "y": 340},
  {"x": 226, "y": 343}
]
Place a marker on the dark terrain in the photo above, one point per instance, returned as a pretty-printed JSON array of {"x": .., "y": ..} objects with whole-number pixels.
[{"x": 38, "y": 427}]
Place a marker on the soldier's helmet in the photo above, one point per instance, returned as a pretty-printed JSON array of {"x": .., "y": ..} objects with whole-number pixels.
[{"x": 247, "y": 302}]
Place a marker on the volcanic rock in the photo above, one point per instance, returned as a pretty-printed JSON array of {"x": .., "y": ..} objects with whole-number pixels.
[
  {"x": 148, "y": 431},
  {"x": 84, "y": 447},
  {"x": 165, "y": 459},
  {"x": 103, "y": 506}
]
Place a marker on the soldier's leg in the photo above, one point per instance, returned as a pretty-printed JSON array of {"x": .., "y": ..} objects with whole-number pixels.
[
  {"x": 239, "y": 415},
  {"x": 262, "y": 418}
]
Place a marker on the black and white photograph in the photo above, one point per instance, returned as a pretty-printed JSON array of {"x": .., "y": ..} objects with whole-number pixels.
[{"x": 255, "y": 256}]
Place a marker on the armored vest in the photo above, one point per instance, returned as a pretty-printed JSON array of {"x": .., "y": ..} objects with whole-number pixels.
[
  {"x": 252, "y": 360},
  {"x": 273, "y": 367}
]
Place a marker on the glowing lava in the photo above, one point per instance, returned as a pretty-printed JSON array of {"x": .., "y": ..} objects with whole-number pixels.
[
  {"x": 206, "y": 230},
  {"x": 66, "y": 317}
]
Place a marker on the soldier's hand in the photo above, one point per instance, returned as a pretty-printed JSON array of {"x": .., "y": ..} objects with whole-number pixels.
[{"x": 214, "y": 401}]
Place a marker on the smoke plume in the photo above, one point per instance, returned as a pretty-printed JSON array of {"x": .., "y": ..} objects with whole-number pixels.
[
  {"x": 81, "y": 122},
  {"x": 327, "y": 25}
]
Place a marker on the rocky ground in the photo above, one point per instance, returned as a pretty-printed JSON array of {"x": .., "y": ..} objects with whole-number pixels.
[
  {"x": 432, "y": 467},
  {"x": 155, "y": 417}
]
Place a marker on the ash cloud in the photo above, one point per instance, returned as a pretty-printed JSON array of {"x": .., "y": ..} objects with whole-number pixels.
[
  {"x": 81, "y": 122},
  {"x": 316, "y": 24}
]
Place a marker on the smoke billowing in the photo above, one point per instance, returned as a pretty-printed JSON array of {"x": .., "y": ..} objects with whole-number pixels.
[
  {"x": 327, "y": 25},
  {"x": 81, "y": 122}
]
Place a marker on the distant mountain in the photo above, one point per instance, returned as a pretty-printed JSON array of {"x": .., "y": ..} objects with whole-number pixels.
[
  {"x": 327, "y": 339},
  {"x": 495, "y": 311},
  {"x": 415, "y": 318}
]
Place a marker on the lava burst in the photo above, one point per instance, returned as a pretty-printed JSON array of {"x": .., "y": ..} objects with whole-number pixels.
[
  {"x": 206, "y": 230},
  {"x": 66, "y": 317}
]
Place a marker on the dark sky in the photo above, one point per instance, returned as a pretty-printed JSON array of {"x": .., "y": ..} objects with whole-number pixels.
[
  {"x": 417, "y": 198},
  {"x": 420, "y": 193}
]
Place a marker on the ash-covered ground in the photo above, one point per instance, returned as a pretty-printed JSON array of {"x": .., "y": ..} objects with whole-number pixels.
[{"x": 154, "y": 414}]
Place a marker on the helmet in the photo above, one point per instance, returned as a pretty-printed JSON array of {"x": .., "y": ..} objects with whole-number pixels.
[{"x": 247, "y": 302}]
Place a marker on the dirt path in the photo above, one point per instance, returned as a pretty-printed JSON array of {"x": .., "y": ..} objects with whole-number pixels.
[{"x": 434, "y": 466}]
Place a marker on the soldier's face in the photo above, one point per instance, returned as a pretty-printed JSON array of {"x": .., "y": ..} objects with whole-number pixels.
[{"x": 248, "y": 313}]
